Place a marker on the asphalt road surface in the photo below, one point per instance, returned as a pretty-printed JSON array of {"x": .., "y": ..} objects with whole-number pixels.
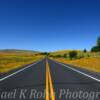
[{"x": 50, "y": 80}]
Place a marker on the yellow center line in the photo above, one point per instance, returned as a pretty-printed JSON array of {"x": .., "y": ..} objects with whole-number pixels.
[{"x": 49, "y": 84}]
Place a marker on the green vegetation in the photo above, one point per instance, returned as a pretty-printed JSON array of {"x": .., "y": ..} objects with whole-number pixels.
[
  {"x": 68, "y": 54},
  {"x": 84, "y": 50},
  {"x": 97, "y": 47},
  {"x": 73, "y": 54}
]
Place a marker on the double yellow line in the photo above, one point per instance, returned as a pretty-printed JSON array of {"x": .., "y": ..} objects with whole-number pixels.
[{"x": 50, "y": 95}]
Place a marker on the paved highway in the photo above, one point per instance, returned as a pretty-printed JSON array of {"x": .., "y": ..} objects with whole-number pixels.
[{"x": 50, "y": 80}]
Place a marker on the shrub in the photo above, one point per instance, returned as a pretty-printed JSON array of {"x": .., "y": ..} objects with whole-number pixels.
[
  {"x": 65, "y": 55},
  {"x": 73, "y": 54},
  {"x": 58, "y": 56}
]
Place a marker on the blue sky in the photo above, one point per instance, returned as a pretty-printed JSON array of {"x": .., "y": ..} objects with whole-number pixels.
[{"x": 49, "y": 25}]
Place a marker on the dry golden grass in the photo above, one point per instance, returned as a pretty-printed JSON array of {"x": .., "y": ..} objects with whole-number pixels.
[
  {"x": 10, "y": 61},
  {"x": 91, "y": 63},
  {"x": 88, "y": 60}
]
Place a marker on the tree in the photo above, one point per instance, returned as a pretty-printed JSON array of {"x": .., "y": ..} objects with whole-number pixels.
[
  {"x": 94, "y": 49},
  {"x": 84, "y": 50},
  {"x": 98, "y": 43},
  {"x": 97, "y": 47},
  {"x": 73, "y": 54}
]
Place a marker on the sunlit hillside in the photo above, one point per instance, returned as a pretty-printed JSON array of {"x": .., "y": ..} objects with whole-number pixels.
[
  {"x": 87, "y": 60},
  {"x": 10, "y": 60}
]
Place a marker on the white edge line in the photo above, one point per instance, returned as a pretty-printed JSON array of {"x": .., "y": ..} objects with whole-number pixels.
[
  {"x": 20, "y": 70},
  {"x": 98, "y": 80}
]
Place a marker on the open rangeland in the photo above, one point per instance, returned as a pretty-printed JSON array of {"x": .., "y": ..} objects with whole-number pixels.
[{"x": 10, "y": 60}]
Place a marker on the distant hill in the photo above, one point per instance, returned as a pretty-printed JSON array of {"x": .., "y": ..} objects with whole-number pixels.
[{"x": 17, "y": 51}]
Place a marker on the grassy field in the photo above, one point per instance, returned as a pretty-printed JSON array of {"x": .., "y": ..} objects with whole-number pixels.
[
  {"x": 88, "y": 60},
  {"x": 87, "y": 63},
  {"x": 12, "y": 60}
]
